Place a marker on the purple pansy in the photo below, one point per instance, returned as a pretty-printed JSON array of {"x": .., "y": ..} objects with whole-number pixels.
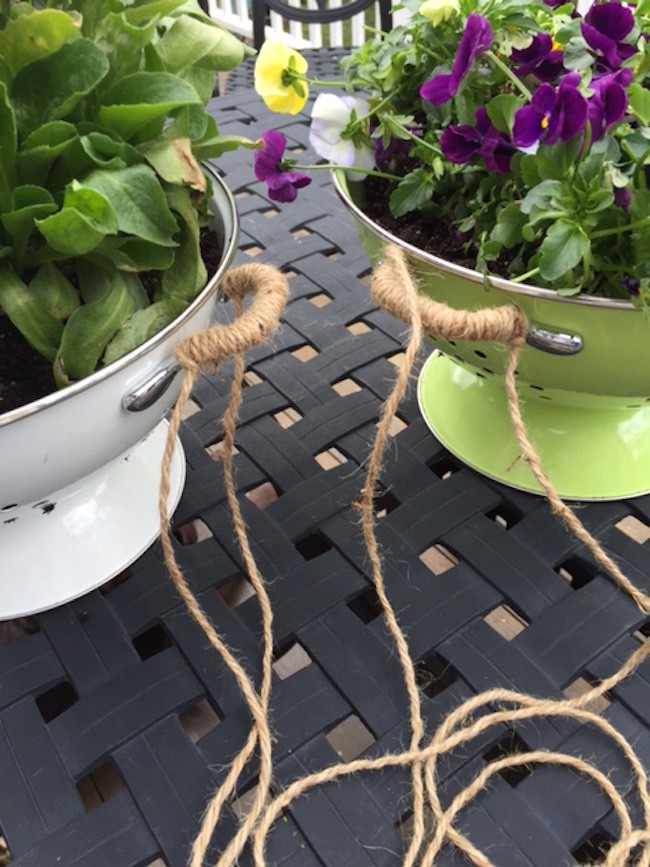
[
  {"x": 477, "y": 38},
  {"x": 604, "y": 28},
  {"x": 552, "y": 115},
  {"x": 622, "y": 197},
  {"x": 539, "y": 58},
  {"x": 460, "y": 143},
  {"x": 394, "y": 147},
  {"x": 283, "y": 185},
  {"x": 609, "y": 101},
  {"x": 632, "y": 286}
]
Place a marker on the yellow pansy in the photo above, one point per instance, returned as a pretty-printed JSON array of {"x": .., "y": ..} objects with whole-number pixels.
[
  {"x": 438, "y": 11},
  {"x": 273, "y": 70}
]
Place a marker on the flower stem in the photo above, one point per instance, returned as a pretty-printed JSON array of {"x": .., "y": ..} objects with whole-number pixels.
[
  {"x": 321, "y": 83},
  {"x": 616, "y": 230},
  {"x": 522, "y": 277},
  {"x": 417, "y": 138},
  {"x": 372, "y": 172},
  {"x": 521, "y": 87}
]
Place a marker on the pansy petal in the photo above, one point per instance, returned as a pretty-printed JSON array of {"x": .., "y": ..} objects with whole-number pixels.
[
  {"x": 543, "y": 99},
  {"x": 611, "y": 19},
  {"x": 568, "y": 117},
  {"x": 460, "y": 143},
  {"x": 267, "y": 160},
  {"x": 438, "y": 90},
  {"x": 496, "y": 152},
  {"x": 527, "y": 127},
  {"x": 273, "y": 58},
  {"x": 477, "y": 37}
]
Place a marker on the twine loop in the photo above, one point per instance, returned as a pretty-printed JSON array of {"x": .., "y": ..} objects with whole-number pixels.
[
  {"x": 394, "y": 290},
  {"x": 208, "y": 348}
]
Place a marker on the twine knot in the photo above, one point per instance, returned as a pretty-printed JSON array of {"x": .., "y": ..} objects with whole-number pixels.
[
  {"x": 208, "y": 348},
  {"x": 394, "y": 288}
]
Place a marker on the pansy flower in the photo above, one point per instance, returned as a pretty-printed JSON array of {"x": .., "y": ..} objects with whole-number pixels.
[
  {"x": 394, "y": 147},
  {"x": 604, "y": 28},
  {"x": 460, "y": 143},
  {"x": 477, "y": 38},
  {"x": 270, "y": 166},
  {"x": 539, "y": 59},
  {"x": 622, "y": 197},
  {"x": 438, "y": 11},
  {"x": 328, "y": 133},
  {"x": 632, "y": 286},
  {"x": 609, "y": 101},
  {"x": 277, "y": 77},
  {"x": 552, "y": 115}
]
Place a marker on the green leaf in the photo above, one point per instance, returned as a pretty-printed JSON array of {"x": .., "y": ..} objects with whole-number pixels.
[
  {"x": 557, "y": 161},
  {"x": 123, "y": 43},
  {"x": 49, "y": 89},
  {"x": 8, "y": 145},
  {"x": 33, "y": 37},
  {"x": 507, "y": 230},
  {"x": 86, "y": 217},
  {"x": 141, "y": 12},
  {"x": 412, "y": 193},
  {"x": 29, "y": 203},
  {"x": 187, "y": 275},
  {"x": 138, "y": 99},
  {"x": 501, "y": 110},
  {"x": 132, "y": 254},
  {"x": 190, "y": 122},
  {"x": 42, "y": 148},
  {"x": 35, "y": 323},
  {"x": 174, "y": 162},
  {"x": 89, "y": 329},
  {"x": 138, "y": 201},
  {"x": 212, "y": 145},
  {"x": 638, "y": 99},
  {"x": 541, "y": 195},
  {"x": 599, "y": 200},
  {"x": 142, "y": 325},
  {"x": 562, "y": 249},
  {"x": 190, "y": 42},
  {"x": 576, "y": 55},
  {"x": 52, "y": 289},
  {"x": 109, "y": 153}
]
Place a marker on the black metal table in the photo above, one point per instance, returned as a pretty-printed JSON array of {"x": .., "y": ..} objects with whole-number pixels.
[{"x": 117, "y": 721}]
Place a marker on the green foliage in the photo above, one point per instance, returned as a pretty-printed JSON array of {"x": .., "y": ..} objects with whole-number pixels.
[
  {"x": 551, "y": 185},
  {"x": 103, "y": 125}
]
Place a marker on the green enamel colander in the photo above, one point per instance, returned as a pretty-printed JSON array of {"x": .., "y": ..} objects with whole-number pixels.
[{"x": 583, "y": 379}]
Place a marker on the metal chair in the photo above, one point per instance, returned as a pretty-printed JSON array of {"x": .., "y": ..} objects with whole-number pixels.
[{"x": 326, "y": 12}]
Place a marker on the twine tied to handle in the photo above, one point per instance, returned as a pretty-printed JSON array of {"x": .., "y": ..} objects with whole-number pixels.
[
  {"x": 207, "y": 349},
  {"x": 393, "y": 283},
  {"x": 395, "y": 290}
]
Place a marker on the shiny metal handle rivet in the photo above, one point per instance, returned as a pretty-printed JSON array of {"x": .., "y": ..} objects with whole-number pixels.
[
  {"x": 554, "y": 342},
  {"x": 150, "y": 391}
]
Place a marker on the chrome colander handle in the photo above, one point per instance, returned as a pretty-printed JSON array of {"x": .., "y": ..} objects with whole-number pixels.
[{"x": 554, "y": 342}]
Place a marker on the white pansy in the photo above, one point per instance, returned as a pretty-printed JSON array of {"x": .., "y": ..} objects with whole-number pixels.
[
  {"x": 329, "y": 118},
  {"x": 438, "y": 11}
]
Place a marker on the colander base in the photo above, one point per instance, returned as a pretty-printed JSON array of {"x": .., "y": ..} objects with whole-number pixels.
[{"x": 588, "y": 453}]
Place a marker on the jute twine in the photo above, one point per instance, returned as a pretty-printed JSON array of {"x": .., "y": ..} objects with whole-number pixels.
[{"x": 394, "y": 290}]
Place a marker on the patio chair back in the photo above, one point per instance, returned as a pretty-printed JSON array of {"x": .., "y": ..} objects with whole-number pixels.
[{"x": 300, "y": 23}]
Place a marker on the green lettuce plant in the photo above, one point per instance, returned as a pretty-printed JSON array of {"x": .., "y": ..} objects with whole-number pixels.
[{"x": 103, "y": 126}]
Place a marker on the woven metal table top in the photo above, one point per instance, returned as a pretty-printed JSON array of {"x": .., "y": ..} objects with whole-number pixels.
[{"x": 118, "y": 693}]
